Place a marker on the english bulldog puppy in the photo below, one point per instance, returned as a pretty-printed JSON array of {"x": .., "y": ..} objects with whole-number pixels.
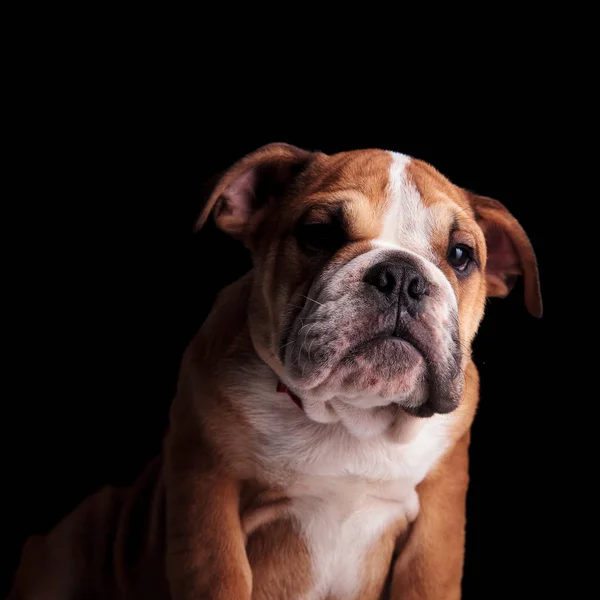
[{"x": 318, "y": 440}]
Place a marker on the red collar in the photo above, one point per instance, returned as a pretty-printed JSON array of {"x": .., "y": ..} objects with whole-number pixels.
[{"x": 283, "y": 389}]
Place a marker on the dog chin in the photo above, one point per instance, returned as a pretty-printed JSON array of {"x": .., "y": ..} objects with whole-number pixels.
[{"x": 367, "y": 412}]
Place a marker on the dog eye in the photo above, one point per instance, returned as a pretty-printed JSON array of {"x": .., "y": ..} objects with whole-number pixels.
[
  {"x": 320, "y": 236},
  {"x": 460, "y": 257}
]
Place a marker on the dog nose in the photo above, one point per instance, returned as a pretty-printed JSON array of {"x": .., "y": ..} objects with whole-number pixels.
[{"x": 398, "y": 279}]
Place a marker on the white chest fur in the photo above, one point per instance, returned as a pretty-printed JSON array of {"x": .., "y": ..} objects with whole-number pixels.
[
  {"x": 344, "y": 491},
  {"x": 339, "y": 520}
]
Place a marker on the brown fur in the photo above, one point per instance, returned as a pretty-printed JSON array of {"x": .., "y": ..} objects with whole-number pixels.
[
  {"x": 199, "y": 518},
  {"x": 430, "y": 563}
]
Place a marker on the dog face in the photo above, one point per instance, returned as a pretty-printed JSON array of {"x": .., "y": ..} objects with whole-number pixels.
[{"x": 370, "y": 276}]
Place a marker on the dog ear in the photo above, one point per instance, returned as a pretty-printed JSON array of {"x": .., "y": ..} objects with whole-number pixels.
[
  {"x": 509, "y": 253},
  {"x": 240, "y": 196}
]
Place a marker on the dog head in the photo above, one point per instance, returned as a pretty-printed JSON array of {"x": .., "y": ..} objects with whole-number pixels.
[{"x": 371, "y": 271}]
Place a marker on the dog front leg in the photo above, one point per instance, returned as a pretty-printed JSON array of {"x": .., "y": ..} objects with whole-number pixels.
[
  {"x": 206, "y": 555},
  {"x": 430, "y": 564}
]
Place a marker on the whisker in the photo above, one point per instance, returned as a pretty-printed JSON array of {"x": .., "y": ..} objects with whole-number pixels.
[
  {"x": 302, "y": 296},
  {"x": 302, "y": 345},
  {"x": 310, "y": 346}
]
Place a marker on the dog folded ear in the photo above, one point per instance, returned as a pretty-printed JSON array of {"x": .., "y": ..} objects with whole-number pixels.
[
  {"x": 240, "y": 197},
  {"x": 509, "y": 253}
]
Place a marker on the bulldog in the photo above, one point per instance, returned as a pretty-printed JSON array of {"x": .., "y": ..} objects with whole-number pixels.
[{"x": 318, "y": 441}]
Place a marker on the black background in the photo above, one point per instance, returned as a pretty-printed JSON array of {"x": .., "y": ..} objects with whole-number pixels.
[{"x": 110, "y": 283}]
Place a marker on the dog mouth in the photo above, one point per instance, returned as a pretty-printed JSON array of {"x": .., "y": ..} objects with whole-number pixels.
[
  {"x": 389, "y": 341},
  {"x": 384, "y": 367},
  {"x": 397, "y": 366}
]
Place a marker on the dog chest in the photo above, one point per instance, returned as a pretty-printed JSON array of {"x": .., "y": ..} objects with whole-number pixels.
[
  {"x": 343, "y": 495},
  {"x": 341, "y": 522},
  {"x": 323, "y": 537}
]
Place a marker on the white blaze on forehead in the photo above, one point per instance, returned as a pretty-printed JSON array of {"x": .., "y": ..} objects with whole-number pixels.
[{"x": 408, "y": 223}]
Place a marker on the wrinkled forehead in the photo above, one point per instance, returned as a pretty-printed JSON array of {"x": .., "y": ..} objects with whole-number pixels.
[{"x": 390, "y": 197}]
